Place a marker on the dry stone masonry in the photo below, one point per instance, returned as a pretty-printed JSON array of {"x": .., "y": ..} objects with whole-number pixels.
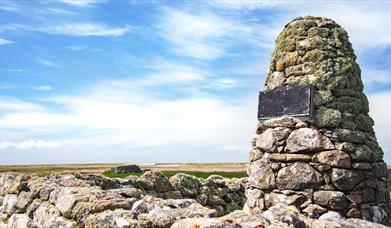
[
  {"x": 149, "y": 201},
  {"x": 329, "y": 162},
  {"x": 91, "y": 200}
]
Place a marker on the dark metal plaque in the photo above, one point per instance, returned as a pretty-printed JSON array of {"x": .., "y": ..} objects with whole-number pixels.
[{"x": 287, "y": 100}]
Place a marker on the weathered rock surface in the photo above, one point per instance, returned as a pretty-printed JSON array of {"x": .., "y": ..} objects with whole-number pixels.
[
  {"x": 261, "y": 175},
  {"x": 298, "y": 176},
  {"x": 334, "y": 158},
  {"x": 279, "y": 215},
  {"x": 75, "y": 201},
  {"x": 333, "y": 199},
  {"x": 307, "y": 139},
  {"x": 151, "y": 200},
  {"x": 346, "y": 179}
]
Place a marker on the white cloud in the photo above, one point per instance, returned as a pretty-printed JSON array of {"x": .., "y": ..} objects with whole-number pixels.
[
  {"x": 77, "y": 48},
  {"x": 246, "y": 4},
  {"x": 192, "y": 34},
  {"x": 224, "y": 83},
  {"x": 79, "y": 3},
  {"x": 374, "y": 76},
  {"x": 29, "y": 144},
  {"x": 11, "y": 27},
  {"x": 85, "y": 29},
  {"x": 12, "y": 104},
  {"x": 48, "y": 63},
  {"x": 107, "y": 115},
  {"x": 379, "y": 110},
  {"x": 43, "y": 88},
  {"x": 16, "y": 70},
  {"x": 7, "y": 86},
  {"x": 204, "y": 35},
  {"x": 4, "y": 41},
  {"x": 9, "y": 6},
  {"x": 163, "y": 73},
  {"x": 59, "y": 11}
]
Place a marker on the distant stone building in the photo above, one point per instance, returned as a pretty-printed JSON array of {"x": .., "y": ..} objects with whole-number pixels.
[{"x": 328, "y": 162}]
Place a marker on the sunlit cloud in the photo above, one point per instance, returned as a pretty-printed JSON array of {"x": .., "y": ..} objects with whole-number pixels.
[
  {"x": 85, "y": 29},
  {"x": 79, "y": 3},
  {"x": 47, "y": 63},
  {"x": 59, "y": 11},
  {"x": 204, "y": 35},
  {"x": 18, "y": 70},
  {"x": 29, "y": 144},
  {"x": 77, "y": 48},
  {"x": 246, "y": 4},
  {"x": 5, "y": 41},
  {"x": 43, "y": 88},
  {"x": 9, "y": 6},
  {"x": 5, "y": 85}
]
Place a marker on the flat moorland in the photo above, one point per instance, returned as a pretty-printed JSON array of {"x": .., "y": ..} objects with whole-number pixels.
[{"x": 202, "y": 170}]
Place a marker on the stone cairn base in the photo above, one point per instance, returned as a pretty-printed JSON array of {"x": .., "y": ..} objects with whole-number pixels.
[{"x": 298, "y": 165}]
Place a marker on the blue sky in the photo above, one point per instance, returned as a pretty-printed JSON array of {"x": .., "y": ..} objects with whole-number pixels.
[{"x": 85, "y": 81}]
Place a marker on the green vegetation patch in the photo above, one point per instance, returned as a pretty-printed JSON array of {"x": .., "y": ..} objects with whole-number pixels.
[{"x": 169, "y": 174}]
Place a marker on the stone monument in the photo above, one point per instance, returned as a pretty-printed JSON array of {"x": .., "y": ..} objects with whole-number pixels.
[{"x": 325, "y": 159}]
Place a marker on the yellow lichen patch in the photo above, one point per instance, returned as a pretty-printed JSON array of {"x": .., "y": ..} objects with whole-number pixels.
[
  {"x": 280, "y": 66},
  {"x": 289, "y": 59},
  {"x": 292, "y": 57}
]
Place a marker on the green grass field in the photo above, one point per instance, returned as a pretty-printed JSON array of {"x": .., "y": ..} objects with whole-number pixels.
[{"x": 169, "y": 174}]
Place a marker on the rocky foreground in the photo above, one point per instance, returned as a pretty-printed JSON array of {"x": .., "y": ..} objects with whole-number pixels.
[{"x": 151, "y": 200}]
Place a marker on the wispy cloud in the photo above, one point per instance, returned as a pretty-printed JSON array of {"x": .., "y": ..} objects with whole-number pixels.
[
  {"x": 206, "y": 35},
  {"x": 43, "y": 88},
  {"x": 376, "y": 76},
  {"x": 18, "y": 70},
  {"x": 198, "y": 35},
  {"x": 379, "y": 105},
  {"x": 163, "y": 73},
  {"x": 85, "y": 29},
  {"x": 8, "y": 104},
  {"x": 4, "y": 86},
  {"x": 10, "y": 27},
  {"x": 224, "y": 83},
  {"x": 108, "y": 113},
  {"x": 59, "y": 11},
  {"x": 9, "y": 6},
  {"x": 245, "y": 4},
  {"x": 29, "y": 144},
  {"x": 193, "y": 34},
  {"x": 79, "y": 3},
  {"x": 4, "y": 41},
  {"x": 47, "y": 63},
  {"x": 77, "y": 48}
]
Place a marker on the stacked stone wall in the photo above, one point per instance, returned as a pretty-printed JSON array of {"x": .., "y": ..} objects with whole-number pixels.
[{"x": 151, "y": 200}]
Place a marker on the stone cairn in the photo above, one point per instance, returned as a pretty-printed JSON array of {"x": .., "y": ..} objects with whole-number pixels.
[{"x": 330, "y": 162}]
